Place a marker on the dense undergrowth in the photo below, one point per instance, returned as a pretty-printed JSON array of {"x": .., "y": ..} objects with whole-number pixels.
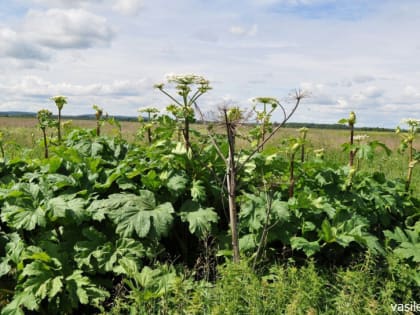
[{"x": 107, "y": 226}]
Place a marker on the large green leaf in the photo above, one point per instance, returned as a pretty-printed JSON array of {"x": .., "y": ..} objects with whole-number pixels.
[
  {"x": 20, "y": 300},
  {"x": 135, "y": 214},
  {"x": 256, "y": 207},
  {"x": 80, "y": 289},
  {"x": 309, "y": 248},
  {"x": 24, "y": 206},
  {"x": 43, "y": 279},
  {"x": 98, "y": 253},
  {"x": 248, "y": 242},
  {"x": 13, "y": 251},
  {"x": 23, "y": 218},
  {"x": 67, "y": 207},
  {"x": 157, "y": 281},
  {"x": 408, "y": 242},
  {"x": 177, "y": 184},
  {"x": 409, "y": 250},
  {"x": 199, "y": 219},
  {"x": 198, "y": 191}
]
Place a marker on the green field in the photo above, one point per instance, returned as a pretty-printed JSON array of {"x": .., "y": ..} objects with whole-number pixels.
[{"x": 113, "y": 224}]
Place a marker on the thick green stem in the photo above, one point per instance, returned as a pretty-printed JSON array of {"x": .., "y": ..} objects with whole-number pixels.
[
  {"x": 59, "y": 126},
  {"x": 292, "y": 176},
  {"x": 149, "y": 131},
  {"x": 352, "y": 152},
  {"x": 410, "y": 166},
  {"x": 186, "y": 133},
  {"x": 44, "y": 132},
  {"x": 231, "y": 187},
  {"x": 98, "y": 128},
  {"x": 264, "y": 234},
  {"x": 302, "y": 153}
]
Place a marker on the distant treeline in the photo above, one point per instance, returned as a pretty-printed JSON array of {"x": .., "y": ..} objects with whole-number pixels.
[
  {"x": 334, "y": 126},
  {"x": 17, "y": 114},
  {"x": 76, "y": 117}
]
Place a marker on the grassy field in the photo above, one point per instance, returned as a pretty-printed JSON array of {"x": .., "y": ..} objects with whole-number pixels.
[{"x": 21, "y": 133}]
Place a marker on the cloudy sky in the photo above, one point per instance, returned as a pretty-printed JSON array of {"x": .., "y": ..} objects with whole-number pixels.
[{"x": 360, "y": 55}]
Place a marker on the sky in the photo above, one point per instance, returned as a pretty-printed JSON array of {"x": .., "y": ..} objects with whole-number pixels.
[{"x": 347, "y": 55}]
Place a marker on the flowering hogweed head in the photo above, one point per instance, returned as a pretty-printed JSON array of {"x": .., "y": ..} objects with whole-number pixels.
[
  {"x": 59, "y": 101},
  {"x": 99, "y": 111},
  {"x": 352, "y": 118},
  {"x": 360, "y": 137},
  {"x": 147, "y": 109},
  {"x": 159, "y": 86},
  {"x": 303, "y": 131},
  {"x": 412, "y": 122},
  {"x": 44, "y": 118},
  {"x": 319, "y": 153},
  {"x": 266, "y": 100},
  {"x": 235, "y": 114}
]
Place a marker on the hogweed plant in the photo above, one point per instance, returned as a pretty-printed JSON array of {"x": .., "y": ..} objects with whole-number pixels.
[
  {"x": 2, "y": 144},
  {"x": 302, "y": 139},
  {"x": 263, "y": 117},
  {"x": 98, "y": 115},
  {"x": 45, "y": 120},
  {"x": 59, "y": 102},
  {"x": 189, "y": 87},
  {"x": 148, "y": 122},
  {"x": 359, "y": 148},
  {"x": 407, "y": 142},
  {"x": 232, "y": 117},
  {"x": 360, "y": 140},
  {"x": 351, "y": 121}
]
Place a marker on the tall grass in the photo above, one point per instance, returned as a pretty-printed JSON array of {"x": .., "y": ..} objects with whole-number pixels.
[{"x": 285, "y": 289}]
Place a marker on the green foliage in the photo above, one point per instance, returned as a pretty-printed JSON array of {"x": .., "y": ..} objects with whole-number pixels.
[{"x": 137, "y": 214}]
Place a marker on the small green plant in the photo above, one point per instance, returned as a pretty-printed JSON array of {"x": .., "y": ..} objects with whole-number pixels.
[
  {"x": 263, "y": 117},
  {"x": 351, "y": 121},
  {"x": 302, "y": 137},
  {"x": 45, "y": 120},
  {"x": 60, "y": 101},
  {"x": 149, "y": 122},
  {"x": 407, "y": 142},
  {"x": 98, "y": 115},
  {"x": 2, "y": 144}
]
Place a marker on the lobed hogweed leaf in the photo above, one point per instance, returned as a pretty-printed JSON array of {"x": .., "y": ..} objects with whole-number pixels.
[
  {"x": 135, "y": 214},
  {"x": 199, "y": 219}
]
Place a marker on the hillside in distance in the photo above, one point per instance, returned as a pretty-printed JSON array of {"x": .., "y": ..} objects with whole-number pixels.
[{"x": 17, "y": 114}]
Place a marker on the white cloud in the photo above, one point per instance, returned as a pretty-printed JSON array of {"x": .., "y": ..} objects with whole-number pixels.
[
  {"x": 243, "y": 31},
  {"x": 66, "y": 3},
  {"x": 72, "y": 28},
  {"x": 14, "y": 45},
  {"x": 412, "y": 92},
  {"x": 363, "y": 79},
  {"x": 291, "y": 2},
  {"x": 37, "y": 86},
  {"x": 128, "y": 7}
]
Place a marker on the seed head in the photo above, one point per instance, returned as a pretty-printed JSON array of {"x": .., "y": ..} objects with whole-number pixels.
[{"x": 352, "y": 119}]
